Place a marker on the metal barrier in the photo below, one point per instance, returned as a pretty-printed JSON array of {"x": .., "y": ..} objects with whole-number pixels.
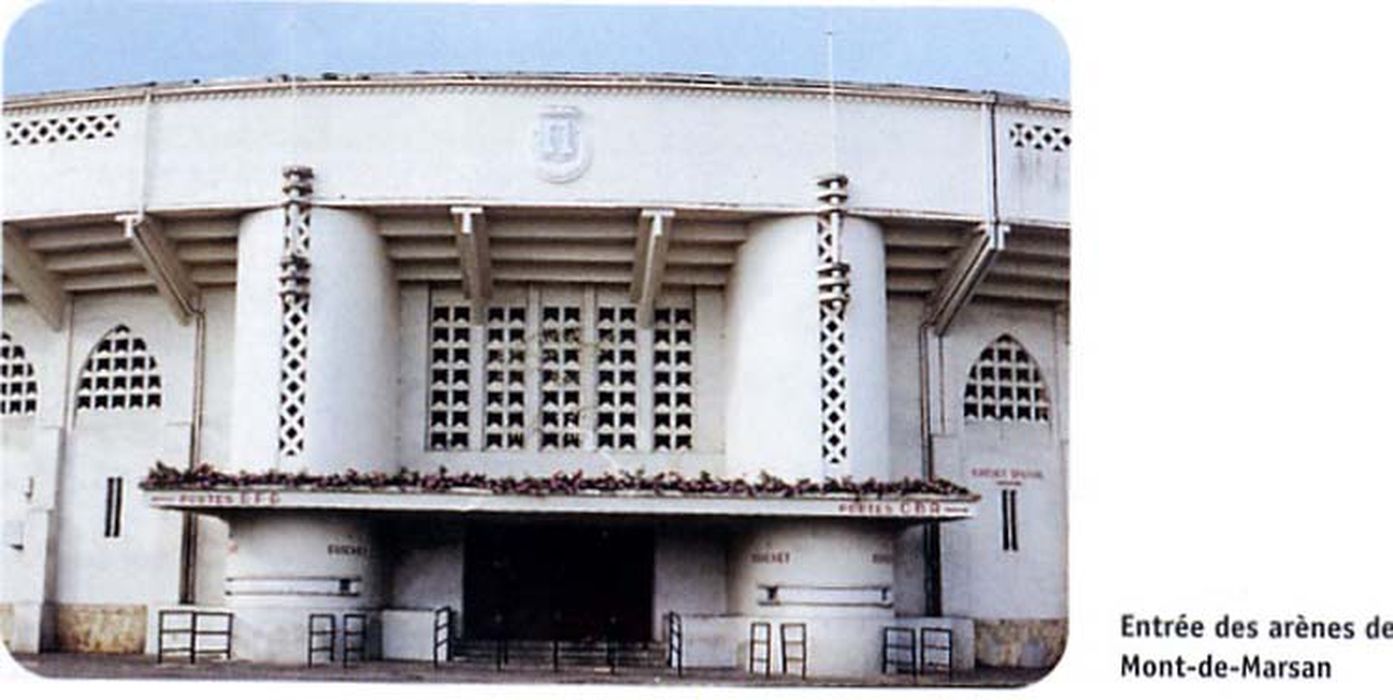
[
  {"x": 793, "y": 646},
  {"x": 899, "y": 650},
  {"x": 761, "y": 639},
  {"x": 443, "y": 619},
  {"x": 194, "y": 631},
  {"x": 318, "y": 632},
  {"x": 938, "y": 642},
  {"x": 355, "y": 637},
  {"x": 674, "y": 641}
]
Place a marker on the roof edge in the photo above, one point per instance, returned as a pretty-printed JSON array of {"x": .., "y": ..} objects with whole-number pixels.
[{"x": 660, "y": 81}]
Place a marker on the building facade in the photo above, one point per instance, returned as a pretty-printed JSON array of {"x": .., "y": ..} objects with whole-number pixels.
[{"x": 376, "y": 281}]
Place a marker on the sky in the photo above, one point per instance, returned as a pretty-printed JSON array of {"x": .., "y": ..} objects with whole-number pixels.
[{"x": 71, "y": 44}]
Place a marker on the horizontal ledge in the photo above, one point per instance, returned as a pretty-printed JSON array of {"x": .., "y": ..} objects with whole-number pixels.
[{"x": 916, "y": 508}]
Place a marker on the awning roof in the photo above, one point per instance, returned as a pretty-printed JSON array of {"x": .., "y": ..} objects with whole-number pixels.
[{"x": 889, "y": 509}]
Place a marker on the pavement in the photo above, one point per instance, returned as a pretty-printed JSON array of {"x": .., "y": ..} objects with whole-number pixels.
[{"x": 114, "y": 666}]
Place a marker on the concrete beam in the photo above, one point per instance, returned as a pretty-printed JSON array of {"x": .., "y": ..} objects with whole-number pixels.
[
  {"x": 650, "y": 260},
  {"x": 476, "y": 265},
  {"x": 156, "y": 253},
  {"x": 38, "y": 285},
  {"x": 968, "y": 268}
]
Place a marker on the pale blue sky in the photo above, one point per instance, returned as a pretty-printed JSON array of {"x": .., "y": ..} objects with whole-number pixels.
[{"x": 67, "y": 44}]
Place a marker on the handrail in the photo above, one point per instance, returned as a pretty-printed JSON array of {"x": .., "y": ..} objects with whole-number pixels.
[
  {"x": 761, "y": 636},
  {"x": 893, "y": 642},
  {"x": 797, "y": 643},
  {"x": 943, "y": 642},
  {"x": 674, "y": 641},
  {"x": 442, "y": 625},
  {"x": 317, "y": 634},
  {"x": 355, "y": 633},
  {"x": 194, "y": 631}
]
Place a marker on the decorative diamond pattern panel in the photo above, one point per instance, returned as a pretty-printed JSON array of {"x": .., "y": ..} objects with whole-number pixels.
[
  {"x": 505, "y": 369},
  {"x": 295, "y": 312},
  {"x": 560, "y": 377},
  {"x": 1005, "y": 385},
  {"x": 71, "y": 127},
  {"x": 119, "y": 374},
  {"x": 19, "y": 389},
  {"x": 1040, "y": 137},
  {"x": 616, "y": 378},
  {"x": 672, "y": 379},
  {"x": 449, "y": 377},
  {"x": 833, "y": 298}
]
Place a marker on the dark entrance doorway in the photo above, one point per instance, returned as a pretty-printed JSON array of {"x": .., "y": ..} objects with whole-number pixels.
[{"x": 558, "y": 581}]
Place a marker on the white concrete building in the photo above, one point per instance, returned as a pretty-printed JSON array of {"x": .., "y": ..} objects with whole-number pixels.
[{"x": 511, "y": 275}]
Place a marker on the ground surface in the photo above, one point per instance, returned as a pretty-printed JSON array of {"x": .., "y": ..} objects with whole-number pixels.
[{"x": 55, "y": 665}]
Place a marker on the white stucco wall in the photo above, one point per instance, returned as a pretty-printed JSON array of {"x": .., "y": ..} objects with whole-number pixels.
[
  {"x": 689, "y": 573},
  {"x": 124, "y": 443},
  {"x": 980, "y": 578}
]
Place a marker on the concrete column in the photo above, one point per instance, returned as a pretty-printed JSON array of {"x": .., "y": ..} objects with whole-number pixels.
[
  {"x": 352, "y": 354},
  {"x": 867, "y": 352},
  {"x": 837, "y": 578},
  {"x": 281, "y": 567},
  {"x": 772, "y": 400}
]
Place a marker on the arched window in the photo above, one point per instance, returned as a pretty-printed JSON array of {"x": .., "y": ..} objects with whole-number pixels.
[
  {"x": 1005, "y": 385},
  {"x": 119, "y": 374},
  {"x": 19, "y": 389}
]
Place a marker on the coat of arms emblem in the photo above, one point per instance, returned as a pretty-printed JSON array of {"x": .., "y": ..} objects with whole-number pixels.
[{"x": 559, "y": 149}]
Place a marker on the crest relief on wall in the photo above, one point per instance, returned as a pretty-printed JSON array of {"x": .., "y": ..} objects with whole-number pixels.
[{"x": 560, "y": 151}]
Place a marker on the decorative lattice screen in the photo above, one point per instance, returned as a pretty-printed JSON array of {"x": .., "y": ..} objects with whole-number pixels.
[
  {"x": 616, "y": 378},
  {"x": 70, "y": 127},
  {"x": 295, "y": 310},
  {"x": 119, "y": 374},
  {"x": 505, "y": 369},
  {"x": 19, "y": 388},
  {"x": 560, "y": 377},
  {"x": 833, "y": 297},
  {"x": 1040, "y": 137},
  {"x": 672, "y": 379},
  {"x": 1005, "y": 385},
  {"x": 449, "y": 377}
]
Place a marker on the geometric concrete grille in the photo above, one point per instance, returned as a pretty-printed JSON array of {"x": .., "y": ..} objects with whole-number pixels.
[
  {"x": 616, "y": 374},
  {"x": 505, "y": 389},
  {"x": 1005, "y": 385},
  {"x": 560, "y": 377},
  {"x": 449, "y": 377},
  {"x": 1040, "y": 137},
  {"x": 119, "y": 374},
  {"x": 295, "y": 311},
  {"x": 833, "y": 297},
  {"x": 19, "y": 389},
  {"x": 672, "y": 379},
  {"x": 73, "y": 127}
]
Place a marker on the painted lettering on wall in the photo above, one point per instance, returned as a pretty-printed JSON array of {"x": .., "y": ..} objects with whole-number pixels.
[
  {"x": 240, "y": 498},
  {"x": 348, "y": 550},
  {"x": 780, "y": 557},
  {"x": 1014, "y": 474}
]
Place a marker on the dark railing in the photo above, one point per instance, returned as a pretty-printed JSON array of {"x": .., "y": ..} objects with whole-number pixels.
[
  {"x": 323, "y": 632},
  {"x": 898, "y": 651},
  {"x": 674, "y": 641},
  {"x": 936, "y": 648},
  {"x": 761, "y": 639},
  {"x": 195, "y": 631},
  {"x": 930, "y": 650},
  {"x": 793, "y": 647},
  {"x": 355, "y": 637},
  {"x": 443, "y": 619}
]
